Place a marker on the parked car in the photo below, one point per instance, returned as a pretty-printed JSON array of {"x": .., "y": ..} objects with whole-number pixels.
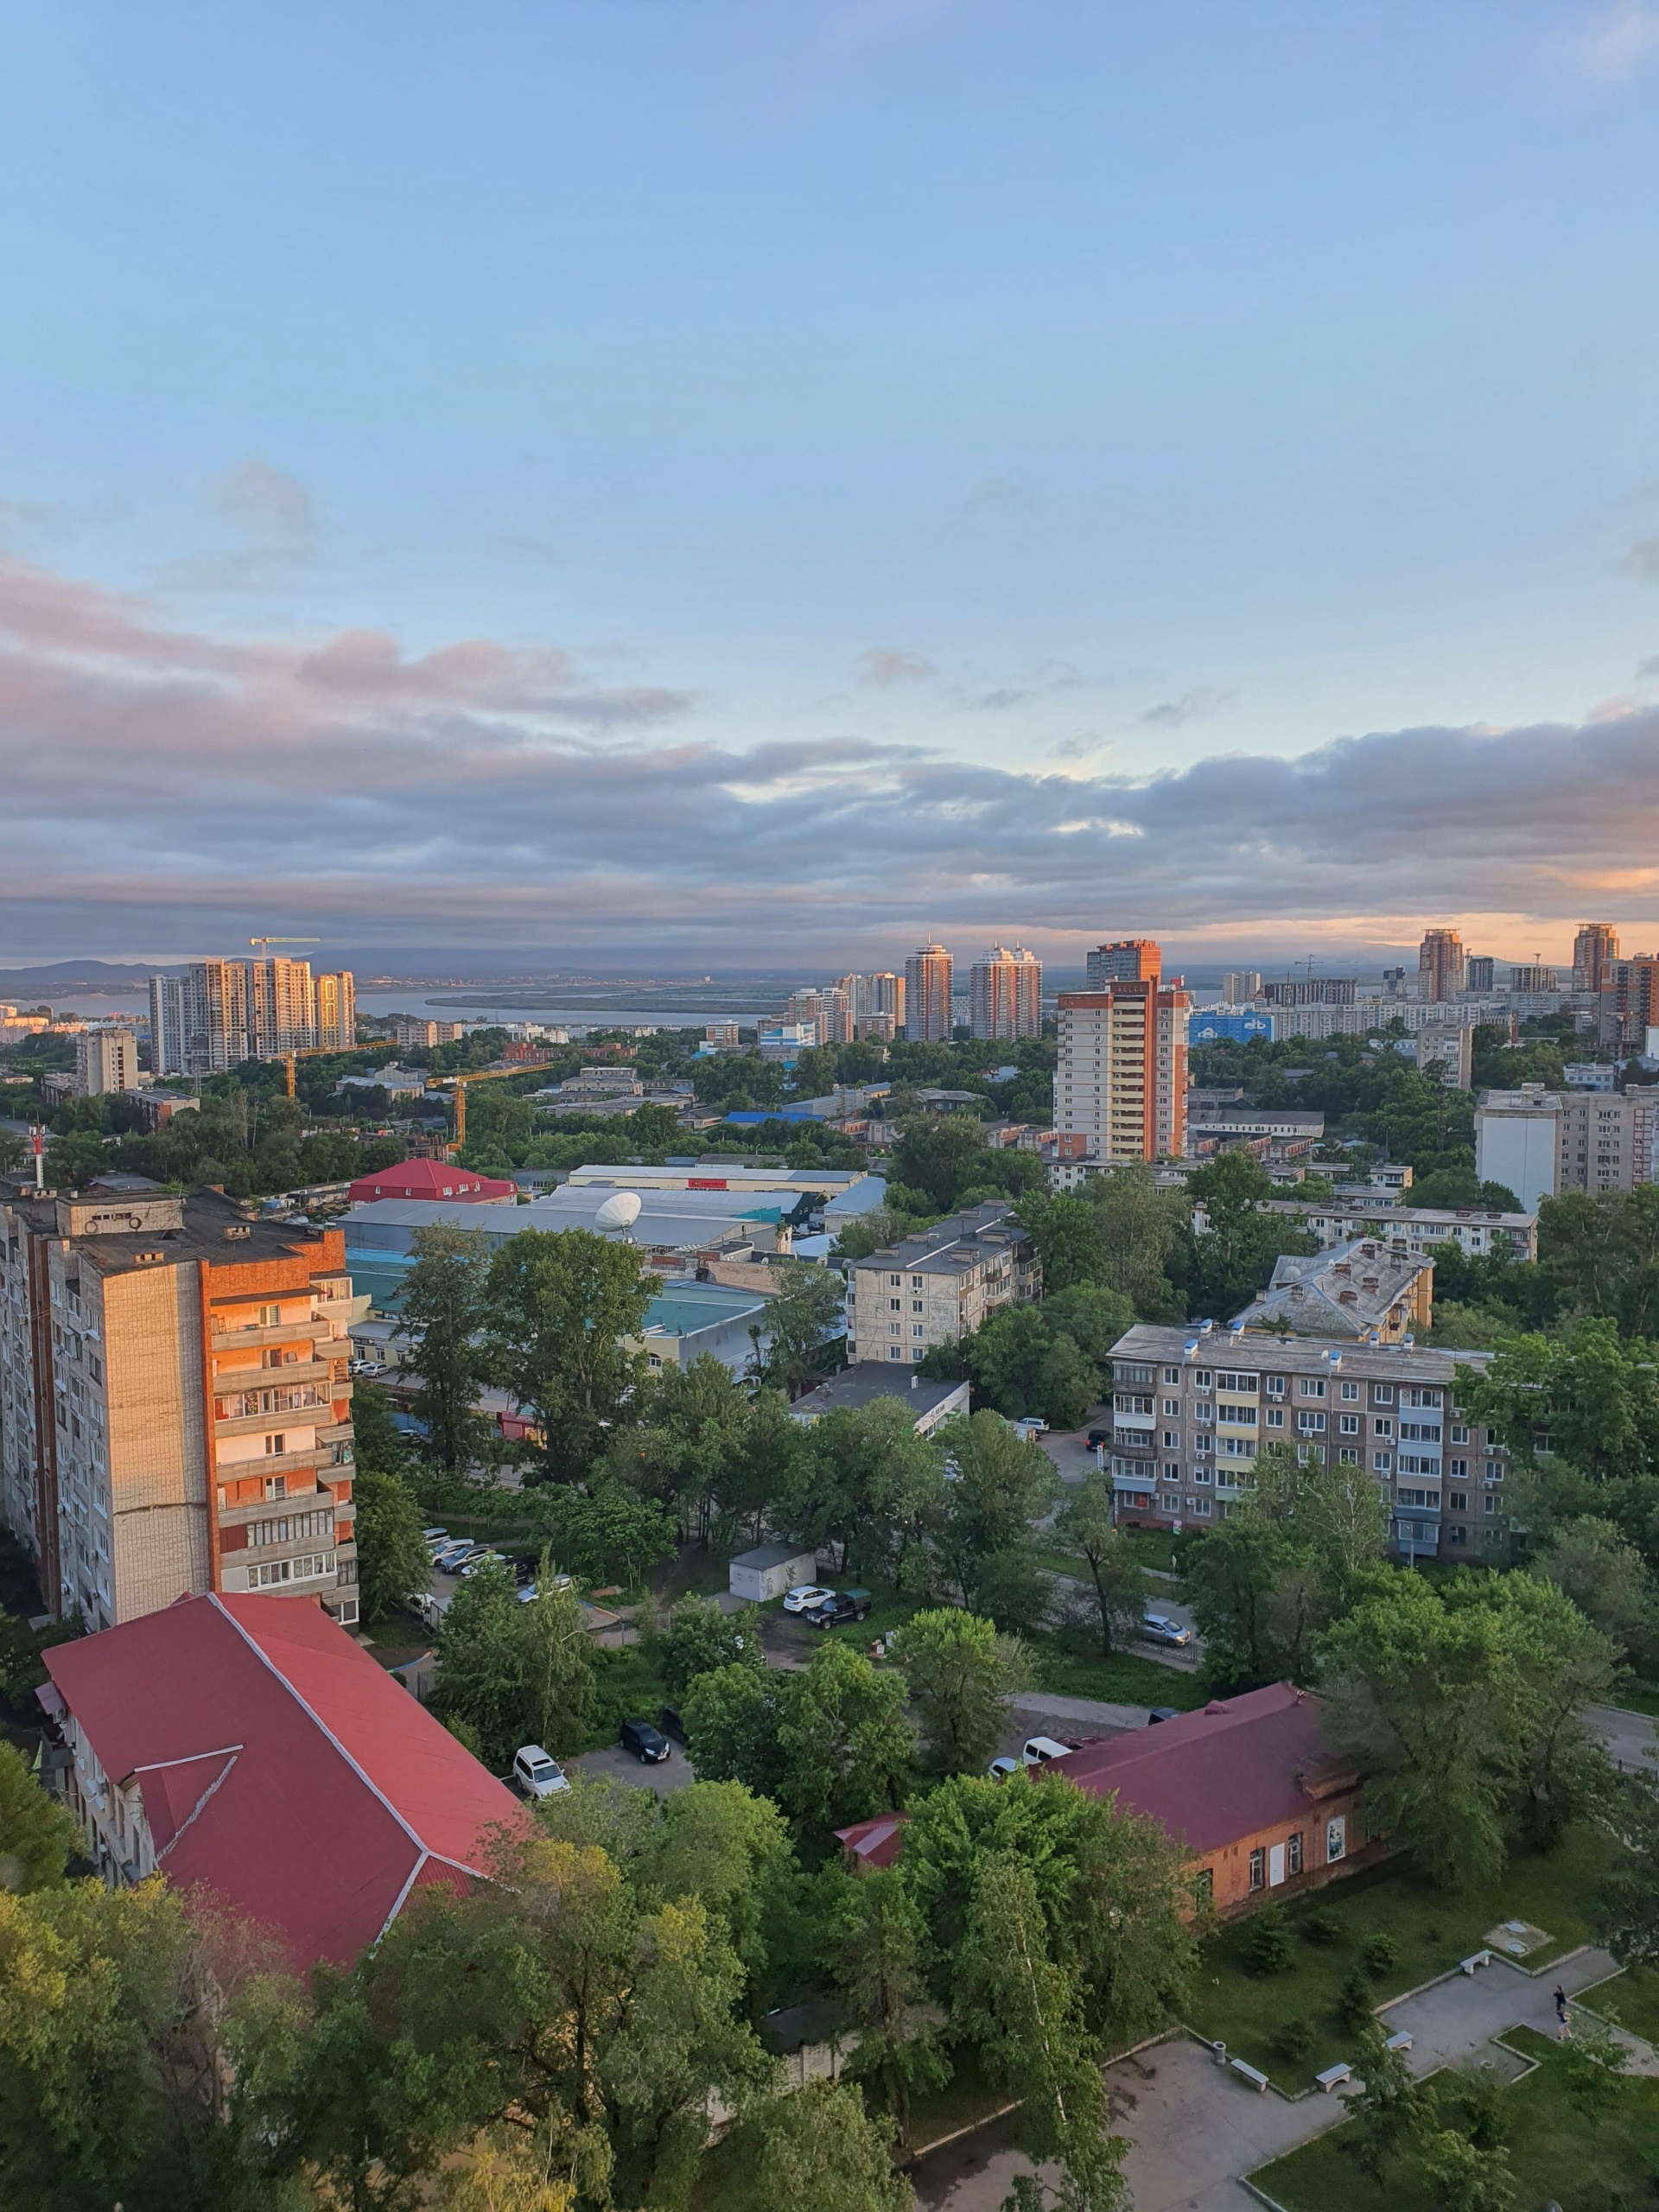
[
  {"x": 373, "y": 1367},
  {"x": 1162, "y": 1712},
  {"x": 835, "y": 1612},
  {"x": 1098, "y": 1436},
  {"x": 480, "y": 1559},
  {"x": 1039, "y": 1749},
  {"x": 435, "y": 1539},
  {"x": 1028, "y": 1428},
  {"x": 803, "y": 1598},
  {"x": 1000, "y": 1770},
  {"x": 538, "y": 1775},
  {"x": 426, "y": 1608},
  {"x": 454, "y": 1557},
  {"x": 669, "y": 1722},
  {"x": 528, "y": 1594},
  {"x": 1157, "y": 1628},
  {"x": 646, "y": 1742}
]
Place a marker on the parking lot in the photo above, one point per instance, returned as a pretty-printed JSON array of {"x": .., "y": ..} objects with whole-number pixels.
[{"x": 674, "y": 1773}]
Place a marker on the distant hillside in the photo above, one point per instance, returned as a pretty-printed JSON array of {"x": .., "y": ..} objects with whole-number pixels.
[{"x": 79, "y": 975}]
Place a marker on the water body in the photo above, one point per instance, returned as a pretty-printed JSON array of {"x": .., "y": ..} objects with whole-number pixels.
[{"x": 448, "y": 1004}]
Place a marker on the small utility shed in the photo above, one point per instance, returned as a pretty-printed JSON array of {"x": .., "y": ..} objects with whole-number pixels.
[{"x": 769, "y": 1569}]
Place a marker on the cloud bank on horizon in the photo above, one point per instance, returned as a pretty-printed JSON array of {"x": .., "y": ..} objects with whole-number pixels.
[{"x": 163, "y": 783}]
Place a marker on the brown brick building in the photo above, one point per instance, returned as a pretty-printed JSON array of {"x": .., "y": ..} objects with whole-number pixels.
[{"x": 175, "y": 1404}]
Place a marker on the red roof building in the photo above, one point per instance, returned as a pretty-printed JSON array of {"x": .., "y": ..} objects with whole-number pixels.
[
  {"x": 1249, "y": 1785},
  {"x": 432, "y": 1178},
  {"x": 248, "y": 1744}
]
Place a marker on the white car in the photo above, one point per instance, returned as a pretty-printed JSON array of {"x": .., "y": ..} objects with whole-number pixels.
[
  {"x": 803, "y": 1597},
  {"x": 453, "y": 1557},
  {"x": 479, "y": 1561},
  {"x": 538, "y": 1775}
]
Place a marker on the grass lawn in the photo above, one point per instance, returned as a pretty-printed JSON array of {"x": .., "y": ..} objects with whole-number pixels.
[
  {"x": 1153, "y": 1547},
  {"x": 629, "y": 1688},
  {"x": 1124, "y": 1679},
  {"x": 1434, "y": 1929},
  {"x": 1634, "y": 1995},
  {"x": 1604, "y": 2164},
  {"x": 1640, "y": 1697}
]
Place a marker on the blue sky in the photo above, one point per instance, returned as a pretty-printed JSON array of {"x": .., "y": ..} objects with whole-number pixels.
[{"x": 847, "y": 426}]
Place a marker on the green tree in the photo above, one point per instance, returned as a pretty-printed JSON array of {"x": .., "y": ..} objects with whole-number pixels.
[
  {"x": 37, "y": 1835},
  {"x": 1609, "y": 1581},
  {"x": 1068, "y": 1230},
  {"x": 565, "y": 1307},
  {"x": 942, "y": 1158},
  {"x": 1391, "y": 2110},
  {"x": 605, "y": 1536},
  {"x": 816, "y": 2145},
  {"x": 847, "y": 1746},
  {"x": 376, "y": 1441},
  {"x": 699, "y": 1637},
  {"x": 1233, "y": 1257},
  {"x": 959, "y": 1671},
  {"x": 981, "y": 1527},
  {"x": 803, "y": 1330},
  {"x": 1626, "y": 1910},
  {"x": 442, "y": 1312},
  {"x": 759, "y": 1472},
  {"x": 865, "y": 1484},
  {"x": 876, "y": 1957},
  {"x": 393, "y": 1564},
  {"x": 515, "y": 1673},
  {"x": 1464, "y": 2178},
  {"x": 1115, "y": 1593},
  {"x": 731, "y": 1715}
]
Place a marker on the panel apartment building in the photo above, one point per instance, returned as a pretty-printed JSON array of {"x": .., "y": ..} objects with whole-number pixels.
[
  {"x": 1120, "y": 1080},
  {"x": 175, "y": 1406},
  {"x": 220, "y": 1012},
  {"x": 937, "y": 1287},
  {"x": 1192, "y": 1407},
  {"x": 1541, "y": 1143}
]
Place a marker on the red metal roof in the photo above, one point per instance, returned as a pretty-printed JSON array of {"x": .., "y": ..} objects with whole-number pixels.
[
  {"x": 877, "y": 1842},
  {"x": 430, "y": 1178},
  {"x": 280, "y": 1766},
  {"x": 1241, "y": 1765}
]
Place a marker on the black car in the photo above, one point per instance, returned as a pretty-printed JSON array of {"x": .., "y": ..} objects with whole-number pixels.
[
  {"x": 835, "y": 1612},
  {"x": 1162, "y": 1712},
  {"x": 646, "y": 1742},
  {"x": 668, "y": 1720},
  {"x": 1100, "y": 1436}
]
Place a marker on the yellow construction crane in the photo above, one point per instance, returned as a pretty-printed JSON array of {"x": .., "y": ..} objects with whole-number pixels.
[
  {"x": 460, "y": 1082},
  {"x": 320, "y": 1052},
  {"x": 284, "y": 940}
]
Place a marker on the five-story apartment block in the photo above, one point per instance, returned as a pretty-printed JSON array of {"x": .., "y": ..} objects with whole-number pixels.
[
  {"x": 1191, "y": 1408},
  {"x": 175, "y": 1404},
  {"x": 939, "y": 1286}
]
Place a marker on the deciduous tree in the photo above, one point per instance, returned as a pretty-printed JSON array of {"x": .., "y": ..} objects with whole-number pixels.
[
  {"x": 959, "y": 1671},
  {"x": 443, "y": 1312},
  {"x": 565, "y": 1307}
]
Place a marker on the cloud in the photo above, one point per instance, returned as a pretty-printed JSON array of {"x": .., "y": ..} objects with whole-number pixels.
[
  {"x": 1191, "y": 707},
  {"x": 276, "y": 526},
  {"x": 886, "y": 665},
  {"x": 1647, "y": 668},
  {"x": 1615, "y": 44},
  {"x": 492, "y": 793},
  {"x": 1640, "y": 559}
]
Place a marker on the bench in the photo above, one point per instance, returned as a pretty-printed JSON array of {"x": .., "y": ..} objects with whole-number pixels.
[
  {"x": 1474, "y": 1962},
  {"x": 1399, "y": 2041},
  {"x": 1333, "y": 2077},
  {"x": 1250, "y": 2074}
]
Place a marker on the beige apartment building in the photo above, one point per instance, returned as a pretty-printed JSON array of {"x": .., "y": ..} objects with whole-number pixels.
[
  {"x": 106, "y": 1060},
  {"x": 220, "y": 1012},
  {"x": 1192, "y": 1407},
  {"x": 937, "y": 1287},
  {"x": 1541, "y": 1143},
  {"x": 1004, "y": 994},
  {"x": 175, "y": 1404},
  {"x": 1119, "y": 1078},
  {"x": 927, "y": 994}
]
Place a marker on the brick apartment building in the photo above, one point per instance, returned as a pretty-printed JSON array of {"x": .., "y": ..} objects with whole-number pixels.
[
  {"x": 937, "y": 1287},
  {"x": 1192, "y": 1407},
  {"x": 175, "y": 1406}
]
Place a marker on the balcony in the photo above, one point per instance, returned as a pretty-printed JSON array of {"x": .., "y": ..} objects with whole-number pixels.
[{"x": 225, "y": 1334}]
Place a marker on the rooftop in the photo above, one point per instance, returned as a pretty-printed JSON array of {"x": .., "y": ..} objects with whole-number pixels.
[
  {"x": 1344, "y": 1291},
  {"x": 279, "y": 1766},
  {"x": 960, "y": 1242},
  {"x": 1266, "y": 1350},
  {"x": 869, "y": 1379},
  {"x": 121, "y": 1234}
]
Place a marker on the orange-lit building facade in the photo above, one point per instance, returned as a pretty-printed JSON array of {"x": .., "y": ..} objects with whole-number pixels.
[{"x": 1120, "y": 1080}]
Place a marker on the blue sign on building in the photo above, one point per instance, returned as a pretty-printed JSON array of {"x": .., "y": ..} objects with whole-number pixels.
[{"x": 1229, "y": 1025}]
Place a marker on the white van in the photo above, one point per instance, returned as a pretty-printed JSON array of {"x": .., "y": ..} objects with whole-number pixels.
[
  {"x": 1040, "y": 1749},
  {"x": 537, "y": 1774}
]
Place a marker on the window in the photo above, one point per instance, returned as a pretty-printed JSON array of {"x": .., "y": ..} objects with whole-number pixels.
[
  {"x": 1172, "y": 1375},
  {"x": 1381, "y": 1462},
  {"x": 1457, "y": 1501},
  {"x": 1204, "y": 1444},
  {"x": 917, "y": 1329},
  {"x": 1459, "y": 1433},
  {"x": 1419, "y": 1431},
  {"x": 270, "y": 1317},
  {"x": 1199, "y": 1507},
  {"x": 895, "y": 1282},
  {"x": 916, "y": 1282},
  {"x": 1349, "y": 1455},
  {"x": 1347, "y": 1424},
  {"x": 1172, "y": 1440},
  {"x": 275, "y": 1486},
  {"x": 1494, "y": 1471},
  {"x": 1412, "y": 1397},
  {"x": 1258, "y": 1869},
  {"x": 1420, "y": 1497},
  {"x": 1204, "y": 1884},
  {"x": 1294, "y": 1852},
  {"x": 1172, "y": 1474},
  {"x": 1275, "y": 1417},
  {"x": 1241, "y": 1385},
  {"x": 1276, "y": 1386},
  {"x": 1491, "y": 1502},
  {"x": 1311, "y": 1386},
  {"x": 1172, "y": 1408},
  {"x": 1458, "y": 1469},
  {"x": 1201, "y": 1474},
  {"x": 895, "y": 1305},
  {"x": 1382, "y": 1427},
  {"x": 1336, "y": 1839},
  {"x": 1131, "y": 1374},
  {"x": 1457, "y": 1536},
  {"x": 1382, "y": 1394},
  {"x": 1202, "y": 1378},
  {"x": 1350, "y": 1391},
  {"x": 1128, "y": 1402},
  {"x": 1239, "y": 1417},
  {"x": 1310, "y": 1424}
]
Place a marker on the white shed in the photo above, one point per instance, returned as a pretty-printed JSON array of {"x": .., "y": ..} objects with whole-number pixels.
[{"x": 769, "y": 1569}]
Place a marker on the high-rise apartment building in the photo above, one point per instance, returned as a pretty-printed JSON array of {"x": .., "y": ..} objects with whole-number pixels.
[
  {"x": 105, "y": 1060},
  {"x": 220, "y": 1012},
  {"x": 1439, "y": 965},
  {"x": 1477, "y": 969},
  {"x": 830, "y": 1010},
  {"x": 1004, "y": 994},
  {"x": 1627, "y": 1002},
  {"x": 1594, "y": 949},
  {"x": 1240, "y": 985},
  {"x": 175, "y": 1406},
  {"x": 1130, "y": 960},
  {"x": 1313, "y": 990},
  {"x": 876, "y": 1003},
  {"x": 1534, "y": 978},
  {"x": 927, "y": 996},
  {"x": 1540, "y": 1143},
  {"x": 1120, "y": 1082}
]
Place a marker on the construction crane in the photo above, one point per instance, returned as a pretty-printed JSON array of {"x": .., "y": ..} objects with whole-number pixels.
[
  {"x": 460, "y": 1082},
  {"x": 284, "y": 940},
  {"x": 320, "y": 1052}
]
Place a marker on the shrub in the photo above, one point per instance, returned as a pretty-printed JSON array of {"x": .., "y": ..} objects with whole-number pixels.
[
  {"x": 1267, "y": 1947},
  {"x": 1294, "y": 2039},
  {"x": 1323, "y": 1927},
  {"x": 1380, "y": 1955},
  {"x": 1354, "y": 1999}
]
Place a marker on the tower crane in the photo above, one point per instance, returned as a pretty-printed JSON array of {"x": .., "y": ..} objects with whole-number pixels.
[{"x": 284, "y": 940}]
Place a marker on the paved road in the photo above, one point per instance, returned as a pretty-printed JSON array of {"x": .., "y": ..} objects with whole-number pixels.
[
  {"x": 674, "y": 1773},
  {"x": 1194, "y": 2130},
  {"x": 1632, "y": 1737}
]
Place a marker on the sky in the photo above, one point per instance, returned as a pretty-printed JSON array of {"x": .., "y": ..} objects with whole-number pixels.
[{"x": 699, "y": 484}]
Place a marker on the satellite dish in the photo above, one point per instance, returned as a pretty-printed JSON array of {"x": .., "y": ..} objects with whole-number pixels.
[{"x": 620, "y": 1211}]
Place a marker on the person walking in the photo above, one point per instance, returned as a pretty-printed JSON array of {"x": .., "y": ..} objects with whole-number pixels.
[{"x": 1562, "y": 2025}]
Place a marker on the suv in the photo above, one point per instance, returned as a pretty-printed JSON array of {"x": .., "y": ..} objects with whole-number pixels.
[
  {"x": 835, "y": 1612},
  {"x": 538, "y": 1775},
  {"x": 646, "y": 1742}
]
